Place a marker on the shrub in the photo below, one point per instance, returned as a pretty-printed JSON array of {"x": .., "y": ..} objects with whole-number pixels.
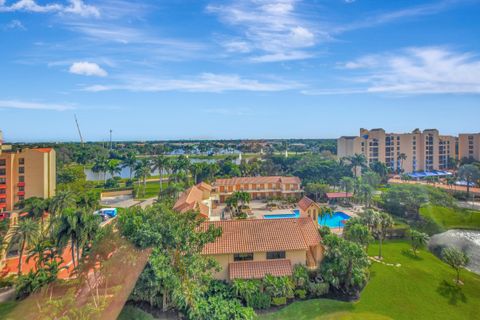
[
  {"x": 7, "y": 281},
  {"x": 278, "y": 286},
  {"x": 245, "y": 289},
  {"x": 259, "y": 300},
  {"x": 301, "y": 293},
  {"x": 111, "y": 183},
  {"x": 220, "y": 289},
  {"x": 324, "y": 231},
  {"x": 300, "y": 276},
  {"x": 427, "y": 225},
  {"x": 317, "y": 289},
  {"x": 280, "y": 301}
]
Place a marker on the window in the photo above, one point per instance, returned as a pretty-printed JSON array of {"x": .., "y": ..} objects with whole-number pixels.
[
  {"x": 276, "y": 255},
  {"x": 21, "y": 169},
  {"x": 2, "y": 172},
  {"x": 3, "y": 181},
  {"x": 21, "y": 178},
  {"x": 3, "y": 191},
  {"x": 21, "y": 161},
  {"x": 243, "y": 257},
  {"x": 21, "y": 188},
  {"x": 21, "y": 198},
  {"x": 3, "y": 162}
]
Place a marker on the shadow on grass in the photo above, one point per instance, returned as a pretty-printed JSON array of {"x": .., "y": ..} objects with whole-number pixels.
[
  {"x": 409, "y": 254},
  {"x": 452, "y": 292}
]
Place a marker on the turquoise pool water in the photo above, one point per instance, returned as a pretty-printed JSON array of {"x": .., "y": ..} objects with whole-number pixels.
[
  {"x": 295, "y": 214},
  {"x": 335, "y": 221}
]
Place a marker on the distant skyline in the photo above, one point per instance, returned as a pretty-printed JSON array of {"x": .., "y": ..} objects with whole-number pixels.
[{"x": 245, "y": 69}]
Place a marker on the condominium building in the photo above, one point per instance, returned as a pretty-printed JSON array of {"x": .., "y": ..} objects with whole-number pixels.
[
  {"x": 24, "y": 174},
  {"x": 253, "y": 248},
  {"x": 469, "y": 146},
  {"x": 259, "y": 187},
  {"x": 196, "y": 198},
  {"x": 407, "y": 152}
]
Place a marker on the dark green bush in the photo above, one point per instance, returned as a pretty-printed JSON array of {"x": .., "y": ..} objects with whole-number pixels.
[
  {"x": 317, "y": 289},
  {"x": 259, "y": 301}
]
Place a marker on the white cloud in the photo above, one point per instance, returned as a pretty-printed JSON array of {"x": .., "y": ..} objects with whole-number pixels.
[
  {"x": 87, "y": 69},
  {"x": 77, "y": 7},
  {"x": 206, "y": 82},
  {"x": 271, "y": 30},
  {"x": 14, "y": 24},
  {"x": 16, "y": 104},
  {"x": 420, "y": 70}
]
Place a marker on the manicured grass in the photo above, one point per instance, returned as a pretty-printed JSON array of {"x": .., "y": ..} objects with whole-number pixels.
[
  {"x": 130, "y": 312},
  {"x": 451, "y": 218},
  {"x": 422, "y": 288},
  {"x": 152, "y": 189},
  {"x": 6, "y": 307}
]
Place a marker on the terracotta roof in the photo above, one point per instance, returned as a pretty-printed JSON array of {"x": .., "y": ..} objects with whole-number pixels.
[
  {"x": 259, "y": 269},
  {"x": 256, "y": 180},
  {"x": 204, "y": 186},
  {"x": 305, "y": 203},
  {"x": 43, "y": 149},
  {"x": 262, "y": 235},
  {"x": 191, "y": 199},
  {"x": 335, "y": 195}
]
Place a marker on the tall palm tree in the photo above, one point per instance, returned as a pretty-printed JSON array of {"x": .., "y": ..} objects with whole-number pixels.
[
  {"x": 36, "y": 208},
  {"x": 195, "y": 169},
  {"x": 100, "y": 165},
  {"x": 142, "y": 171},
  {"x": 324, "y": 213},
  {"x": 181, "y": 164},
  {"x": 129, "y": 162},
  {"x": 384, "y": 222},
  {"x": 401, "y": 157},
  {"x": 61, "y": 201},
  {"x": 366, "y": 193},
  {"x": 161, "y": 163},
  {"x": 469, "y": 173},
  {"x": 113, "y": 167},
  {"x": 346, "y": 183},
  {"x": 357, "y": 161},
  {"x": 69, "y": 230},
  {"x": 27, "y": 230}
]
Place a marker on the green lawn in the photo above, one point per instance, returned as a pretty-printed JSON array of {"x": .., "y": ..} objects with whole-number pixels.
[
  {"x": 6, "y": 307},
  {"x": 152, "y": 190},
  {"x": 422, "y": 288},
  {"x": 130, "y": 313},
  {"x": 451, "y": 218}
]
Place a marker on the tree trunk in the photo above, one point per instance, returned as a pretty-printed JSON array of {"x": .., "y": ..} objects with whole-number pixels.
[
  {"x": 72, "y": 248},
  {"x": 164, "y": 300},
  {"x": 22, "y": 249},
  {"x": 380, "y": 248},
  {"x": 458, "y": 275}
]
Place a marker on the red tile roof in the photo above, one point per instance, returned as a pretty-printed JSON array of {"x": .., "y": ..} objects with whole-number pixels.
[
  {"x": 335, "y": 195},
  {"x": 191, "y": 199},
  {"x": 259, "y": 269},
  {"x": 256, "y": 180},
  {"x": 305, "y": 203},
  {"x": 263, "y": 235},
  {"x": 43, "y": 149},
  {"x": 204, "y": 186}
]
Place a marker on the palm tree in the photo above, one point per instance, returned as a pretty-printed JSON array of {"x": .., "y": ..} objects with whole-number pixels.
[
  {"x": 324, "y": 213},
  {"x": 401, "y": 157},
  {"x": 61, "y": 201},
  {"x": 129, "y": 162},
  {"x": 100, "y": 165},
  {"x": 366, "y": 193},
  {"x": 195, "y": 169},
  {"x": 69, "y": 230},
  {"x": 142, "y": 171},
  {"x": 470, "y": 173},
  {"x": 162, "y": 163},
  {"x": 27, "y": 230},
  {"x": 356, "y": 161},
  {"x": 181, "y": 164},
  {"x": 346, "y": 183},
  {"x": 36, "y": 208},
  {"x": 384, "y": 222},
  {"x": 113, "y": 167}
]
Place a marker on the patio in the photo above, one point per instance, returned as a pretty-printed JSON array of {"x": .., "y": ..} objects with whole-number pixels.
[{"x": 258, "y": 208}]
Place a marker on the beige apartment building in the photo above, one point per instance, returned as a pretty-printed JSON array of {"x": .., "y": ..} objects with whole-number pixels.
[
  {"x": 421, "y": 150},
  {"x": 24, "y": 174},
  {"x": 469, "y": 146}
]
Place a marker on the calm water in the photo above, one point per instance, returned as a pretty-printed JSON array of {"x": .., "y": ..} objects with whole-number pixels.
[
  {"x": 125, "y": 173},
  {"x": 295, "y": 214},
  {"x": 335, "y": 221},
  {"x": 465, "y": 240}
]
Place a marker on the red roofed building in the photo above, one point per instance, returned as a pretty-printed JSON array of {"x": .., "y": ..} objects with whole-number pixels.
[
  {"x": 309, "y": 208},
  {"x": 196, "y": 198},
  {"x": 250, "y": 249},
  {"x": 259, "y": 187},
  {"x": 338, "y": 195}
]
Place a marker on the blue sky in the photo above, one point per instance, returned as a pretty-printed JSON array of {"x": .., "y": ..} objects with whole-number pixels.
[{"x": 236, "y": 69}]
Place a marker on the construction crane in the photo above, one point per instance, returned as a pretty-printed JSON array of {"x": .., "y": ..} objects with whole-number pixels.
[{"x": 78, "y": 128}]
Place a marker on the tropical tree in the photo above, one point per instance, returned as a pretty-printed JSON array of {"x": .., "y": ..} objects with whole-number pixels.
[
  {"x": 195, "y": 169},
  {"x": 162, "y": 164},
  {"x": 36, "y": 207},
  {"x": 383, "y": 223},
  {"x": 70, "y": 232},
  {"x": 401, "y": 157},
  {"x": 470, "y": 174},
  {"x": 129, "y": 161},
  {"x": 347, "y": 184},
  {"x": 100, "y": 165},
  {"x": 456, "y": 259},
  {"x": 27, "y": 231},
  {"x": 365, "y": 193},
  {"x": 174, "y": 189},
  {"x": 381, "y": 169},
  {"x": 180, "y": 164},
  {"x": 418, "y": 240},
  {"x": 357, "y": 161},
  {"x": 357, "y": 232},
  {"x": 113, "y": 167},
  {"x": 316, "y": 189},
  {"x": 324, "y": 213},
  {"x": 142, "y": 171},
  {"x": 371, "y": 178}
]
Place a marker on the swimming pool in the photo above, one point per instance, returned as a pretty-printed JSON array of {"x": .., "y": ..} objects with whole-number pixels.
[
  {"x": 335, "y": 221},
  {"x": 295, "y": 214}
]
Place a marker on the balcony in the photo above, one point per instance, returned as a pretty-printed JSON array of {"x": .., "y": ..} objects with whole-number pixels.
[
  {"x": 21, "y": 193},
  {"x": 3, "y": 196},
  {"x": 21, "y": 184},
  {"x": 3, "y": 186},
  {"x": 3, "y": 204}
]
